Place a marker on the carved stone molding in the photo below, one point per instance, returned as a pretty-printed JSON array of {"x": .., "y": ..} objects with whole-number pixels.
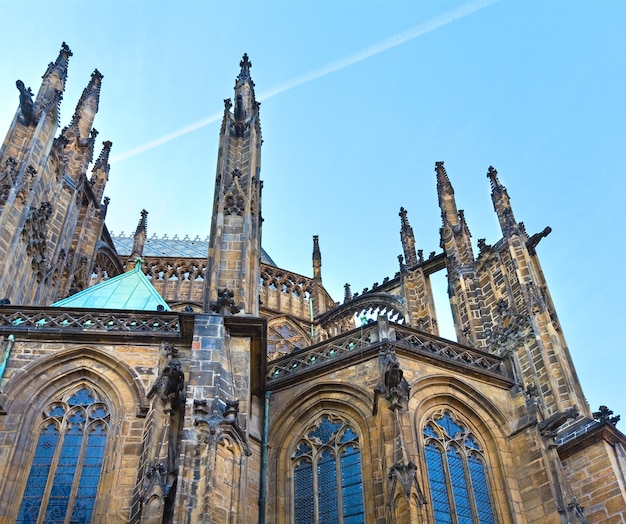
[{"x": 34, "y": 234}]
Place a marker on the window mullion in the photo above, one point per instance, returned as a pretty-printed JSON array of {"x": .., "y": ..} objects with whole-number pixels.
[
  {"x": 470, "y": 486},
  {"x": 340, "y": 508},
  {"x": 78, "y": 471},
  {"x": 53, "y": 466},
  {"x": 448, "y": 477},
  {"x": 316, "y": 507}
]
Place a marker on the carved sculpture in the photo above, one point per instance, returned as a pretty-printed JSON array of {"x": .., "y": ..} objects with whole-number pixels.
[
  {"x": 27, "y": 106},
  {"x": 604, "y": 415},
  {"x": 224, "y": 302},
  {"x": 393, "y": 385},
  {"x": 34, "y": 234},
  {"x": 170, "y": 386},
  {"x": 550, "y": 426}
]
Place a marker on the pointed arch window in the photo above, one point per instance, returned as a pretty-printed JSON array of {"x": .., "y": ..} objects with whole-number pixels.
[
  {"x": 327, "y": 479},
  {"x": 457, "y": 473},
  {"x": 65, "y": 470}
]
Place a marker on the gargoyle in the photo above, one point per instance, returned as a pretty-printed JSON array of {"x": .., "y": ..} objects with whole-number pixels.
[{"x": 551, "y": 425}]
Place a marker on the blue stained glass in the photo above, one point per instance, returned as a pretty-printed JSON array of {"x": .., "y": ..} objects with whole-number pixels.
[
  {"x": 459, "y": 487},
  {"x": 68, "y": 463},
  {"x": 451, "y": 427},
  {"x": 303, "y": 491},
  {"x": 327, "y": 488},
  {"x": 438, "y": 488},
  {"x": 348, "y": 435},
  {"x": 464, "y": 478},
  {"x": 352, "y": 486},
  {"x": 302, "y": 449},
  {"x": 90, "y": 474},
  {"x": 99, "y": 412},
  {"x": 57, "y": 411},
  {"x": 429, "y": 431},
  {"x": 325, "y": 430},
  {"x": 81, "y": 398},
  {"x": 330, "y": 467},
  {"x": 481, "y": 491},
  {"x": 38, "y": 476},
  {"x": 471, "y": 443}
]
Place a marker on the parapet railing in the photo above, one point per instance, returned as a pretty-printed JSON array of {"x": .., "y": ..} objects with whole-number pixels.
[
  {"x": 58, "y": 320},
  {"x": 401, "y": 337},
  {"x": 448, "y": 350},
  {"x": 320, "y": 353}
]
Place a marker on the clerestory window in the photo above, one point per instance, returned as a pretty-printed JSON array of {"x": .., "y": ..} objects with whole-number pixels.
[
  {"x": 65, "y": 470},
  {"x": 327, "y": 478},
  {"x": 457, "y": 473}
]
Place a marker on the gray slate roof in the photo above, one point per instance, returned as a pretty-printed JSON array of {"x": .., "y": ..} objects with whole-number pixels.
[{"x": 174, "y": 247}]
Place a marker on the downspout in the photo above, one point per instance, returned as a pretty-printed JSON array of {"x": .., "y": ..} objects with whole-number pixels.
[
  {"x": 6, "y": 353},
  {"x": 263, "y": 483}
]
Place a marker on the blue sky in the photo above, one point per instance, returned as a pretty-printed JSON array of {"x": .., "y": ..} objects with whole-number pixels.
[{"x": 359, "y": 99}]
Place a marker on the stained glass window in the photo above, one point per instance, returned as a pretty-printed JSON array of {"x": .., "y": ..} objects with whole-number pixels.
[
  {"x": 65, "y": 470},
  {"x": 457, "y": 473},
  {"x": 327, "y": 480}
]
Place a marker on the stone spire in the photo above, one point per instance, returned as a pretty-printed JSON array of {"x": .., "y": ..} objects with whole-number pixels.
[
  {"x": 455, "y": 235},
  {"x": 501, "y": 204},
  {"x": 233, "y": 269},
  {"x": 408, "y": 240},
  {"x": 139, "y": 239},
  {"x": 87, "y": 106},
  {"x": 53, "y": 83},
  {"x": 246, "y": 105},
  {"x": 317, "y": 260},
  {"x": 445, "y": 192},
  {"x": 100, "y": 171}
]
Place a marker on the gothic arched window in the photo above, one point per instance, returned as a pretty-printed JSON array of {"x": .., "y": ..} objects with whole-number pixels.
[
  {"x": 327, "y": 481},
  {"x": 457, "y": 473},
  {"x": 65, "y": 470}
]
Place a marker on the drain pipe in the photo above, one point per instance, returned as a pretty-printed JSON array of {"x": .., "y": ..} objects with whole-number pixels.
[
  {"x": 263, "y": 483},
  {"x": 6, "y": 353}
]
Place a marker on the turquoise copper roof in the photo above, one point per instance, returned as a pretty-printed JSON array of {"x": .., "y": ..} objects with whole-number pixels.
[{"x": 130, "y": 290}]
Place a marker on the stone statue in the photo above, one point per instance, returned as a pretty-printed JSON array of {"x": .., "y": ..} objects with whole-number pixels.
[
  {"x": 26, "y": 103},
  {"x": 171, "y": 384}
]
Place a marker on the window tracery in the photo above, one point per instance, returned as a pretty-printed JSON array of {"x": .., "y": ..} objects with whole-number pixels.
[
  {"x": 457, "y": 472},
  {"x": 65, "y": 470},
  {"x": 327, "y": 479}
]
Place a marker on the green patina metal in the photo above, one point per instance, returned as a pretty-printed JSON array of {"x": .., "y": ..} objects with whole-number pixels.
[{"x": 131, "y": 290}]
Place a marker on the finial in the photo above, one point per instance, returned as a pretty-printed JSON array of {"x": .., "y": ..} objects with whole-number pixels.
[
  {"x": 60, "y": 64},
  {"x": 347, "y": 292},
  {"x": 317, "y": 260},
  {"x": 102, "y": 162},
  {"x": 142, "y": 226},
  {"x": 408, "y": 239},
  {"x": 66, "y": 49},
  {"x": 492, "y": 175},
  {"x": 87, "y": 105},
  {"x": 245, "y": 65},
  {"x": 316, "y": 247},
  {"x": 403, "y": 216},
  {"x": 139, "y": 238},
  {"x": 443, "y": 182}
]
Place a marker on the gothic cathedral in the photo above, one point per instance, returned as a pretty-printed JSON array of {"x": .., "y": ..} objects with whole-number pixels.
[{"x": 187, "y": 381}]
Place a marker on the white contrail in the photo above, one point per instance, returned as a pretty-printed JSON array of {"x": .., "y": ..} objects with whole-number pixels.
[
  {"x": 166, "y": 138},
  {"x": 394, "y": 41}
]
